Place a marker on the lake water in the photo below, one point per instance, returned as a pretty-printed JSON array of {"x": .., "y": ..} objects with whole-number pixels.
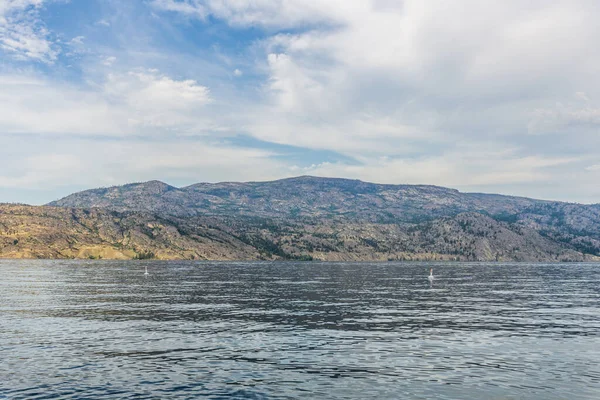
[{"x": 101, "y": 329}]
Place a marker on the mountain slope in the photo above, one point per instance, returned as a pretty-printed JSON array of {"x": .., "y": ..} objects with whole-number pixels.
[{"x": 53, "y": 232}]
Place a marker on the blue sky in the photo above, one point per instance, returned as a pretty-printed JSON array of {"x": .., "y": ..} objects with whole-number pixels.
[{"x": 467, "y": 94}]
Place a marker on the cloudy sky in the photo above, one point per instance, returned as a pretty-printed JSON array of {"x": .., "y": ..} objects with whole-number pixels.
[{"x": 492, "y": 96}]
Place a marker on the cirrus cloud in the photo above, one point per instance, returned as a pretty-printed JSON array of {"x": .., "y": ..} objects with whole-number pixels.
[{"x": 23, "y": 34}]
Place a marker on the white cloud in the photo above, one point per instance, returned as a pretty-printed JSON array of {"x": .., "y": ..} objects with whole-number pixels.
[
  {"x": 563, "y": 117},
  {"x": 237, "y": 72},
  {"x": 295, "y": 91},
  {"x": 582, "y": 96},
  {"x": 33, "y": 105},
  {"x": 153, "y": 99},
  {"x": 42, "y": 169},
  {"x": 103, "y": 22},
  {"x": 593, "y": 168},
  {"x": 51, "y": 163},
  {"x": 272, "y": 13},
  {"x": 124, "y": 104},
  {"x": 22, "y": 33},
  {"x": 77, "y": 40},
  {"x": 109, "y": 61},
  {"x": 192, "y": 8},
  {"x": 467, "y": 167}
]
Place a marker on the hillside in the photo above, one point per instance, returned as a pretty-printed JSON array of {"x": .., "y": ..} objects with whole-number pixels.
[
  {"x": 57, "y": 232},
  {"x": 51, "y": 232}
]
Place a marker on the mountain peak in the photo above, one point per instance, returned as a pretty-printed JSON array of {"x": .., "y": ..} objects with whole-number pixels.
[{"x": 153, "y": 184}]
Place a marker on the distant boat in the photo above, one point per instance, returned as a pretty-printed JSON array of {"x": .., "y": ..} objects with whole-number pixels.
[
  {"x": 430, "y": 277},
  {"x": 146, "y": 273}
]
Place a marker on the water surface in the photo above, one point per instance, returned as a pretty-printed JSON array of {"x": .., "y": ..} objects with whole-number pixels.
[{"x": 101, "y": 329}]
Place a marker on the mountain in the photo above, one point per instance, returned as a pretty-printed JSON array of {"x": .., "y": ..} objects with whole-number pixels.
[
  {"x": 301, "y": 218},
  {"x": 306, "y": 196}
]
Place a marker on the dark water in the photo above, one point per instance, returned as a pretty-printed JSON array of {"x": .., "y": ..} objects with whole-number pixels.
[{"x": 298, "y": 330}]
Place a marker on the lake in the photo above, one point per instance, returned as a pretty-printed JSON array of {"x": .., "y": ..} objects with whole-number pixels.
[{"x": 286, "y": 330}]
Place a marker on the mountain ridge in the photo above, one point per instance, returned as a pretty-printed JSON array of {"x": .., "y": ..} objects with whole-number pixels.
[
  {"x": 305, "y": 177},
  {"x": 237, "y": 195}
]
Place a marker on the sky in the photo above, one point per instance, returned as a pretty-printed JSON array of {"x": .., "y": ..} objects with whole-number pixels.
[{"x": 484, "y": 96}]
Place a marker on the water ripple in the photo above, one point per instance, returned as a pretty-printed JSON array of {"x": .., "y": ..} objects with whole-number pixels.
[{"x": 298, "y": 330}]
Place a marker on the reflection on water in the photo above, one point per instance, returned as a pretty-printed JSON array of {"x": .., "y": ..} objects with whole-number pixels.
[{"x": 299, "y": 330}]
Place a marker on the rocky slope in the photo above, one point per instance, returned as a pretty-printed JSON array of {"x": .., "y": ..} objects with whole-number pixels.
[{"x": 53, "y": 232}]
